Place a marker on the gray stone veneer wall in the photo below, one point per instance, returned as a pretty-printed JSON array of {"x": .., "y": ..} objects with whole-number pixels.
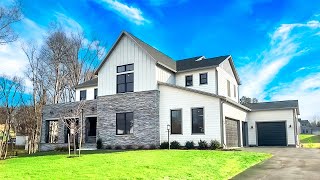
[
  {"x": 145, "y": 108},
  {"x": 53, "y": 111}
]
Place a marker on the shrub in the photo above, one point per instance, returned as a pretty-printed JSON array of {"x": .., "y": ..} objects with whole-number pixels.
[
  {"x": 62, "y": 149},
  {"x": 152, "y": 146},
  {"x": 129, "y": 147},
  {"x": 141, "y": 147},
  {"x": 118, "y": 147},
  {"x": 108, "y": 147},
  {"x": 164, "y": 145},
  {"x": 203, "y": 144},
  {"x": 175, "y": 145},
  {"x": 214, "y": 144},
  {"x": 189, "y": 145},
  {"x": 99, "y": 143}
]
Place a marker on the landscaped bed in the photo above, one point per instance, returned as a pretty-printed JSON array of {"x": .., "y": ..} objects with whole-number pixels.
[
  {"x": 138, "y": 164},
  {"x": 309, "y": 140}
]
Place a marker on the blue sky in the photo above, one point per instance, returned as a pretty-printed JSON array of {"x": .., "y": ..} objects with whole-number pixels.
[{"x": 275, "y": 44}]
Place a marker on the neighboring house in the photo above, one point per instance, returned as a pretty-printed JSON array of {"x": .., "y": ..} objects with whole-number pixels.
[
  {"x": 140, "y": 91},
  {"x": 305, "y": 127},
  {"x": 316, "y": 130}
]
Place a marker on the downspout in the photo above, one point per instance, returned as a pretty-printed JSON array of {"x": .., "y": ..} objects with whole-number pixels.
[
  {"x": 295, "y": 128},
  {"x": 222, "y": 123}
]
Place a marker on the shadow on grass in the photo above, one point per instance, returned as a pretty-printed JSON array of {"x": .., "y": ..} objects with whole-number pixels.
[{"x": 83, "y": 152}]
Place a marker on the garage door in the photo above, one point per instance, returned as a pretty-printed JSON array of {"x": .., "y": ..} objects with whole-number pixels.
[
  {"x": 232, "y": 133},
  {"x": 272, "y": 134}
]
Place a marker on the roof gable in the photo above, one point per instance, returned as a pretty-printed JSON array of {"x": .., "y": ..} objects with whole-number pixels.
[
  {"x": 228, "y": 66},
  {"x": 155, "y": 54}
]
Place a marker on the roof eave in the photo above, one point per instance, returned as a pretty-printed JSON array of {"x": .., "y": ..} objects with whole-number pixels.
[{"x": 195, "y": 69}]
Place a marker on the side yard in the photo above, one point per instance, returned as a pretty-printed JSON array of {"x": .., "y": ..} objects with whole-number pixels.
[
  {"x": 309, "y": 140},
  {"x": 134, "y": 164}
]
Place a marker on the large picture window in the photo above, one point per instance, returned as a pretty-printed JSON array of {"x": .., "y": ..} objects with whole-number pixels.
[
  {"x": 52, "y": 132},
  {"x": 124, "y": 123},
  {"x": 204, "y": 78},
  {"x": 83, "y": 95},
  {"x": 176, "y": 122},
  {"x": 125, "y": 83},
  {"x": 197, "y": 121},
  {"x": 189, "y": 80}
]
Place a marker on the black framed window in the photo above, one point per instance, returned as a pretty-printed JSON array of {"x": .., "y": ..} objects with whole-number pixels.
[
  {"x": 124, "y": 123},
  {"x": 124, "y": 68},
  {"x": 83, "y": 95},
  {"x": 203, "y": 78},
  {"x": 95, "y": 93},
  {"x": 197, "y": 120},
  {"x": 176, "y": 122},
  {"x": 52, "y": 131},
  {"x": 125, "y": 83},
  {"x": 189, "y": 80}
]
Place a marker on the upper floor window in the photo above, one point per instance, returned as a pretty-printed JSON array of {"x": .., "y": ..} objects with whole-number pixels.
[
  {"x": 125, "y": 80},
  {"x": 203, "y": 78},
  {"x": 176, "y": 122},
  {"x": 189, "y": 80},
  {"x": 83, "y": 95},
  {"x": 228, "y": 88},
  {"x": 95, "y": 93},
  {"x": 52, "y": 131},
  {"x": 197, "y": 120},
  {"x": 235, "y": 91},
  {"x": 124, "y": 68},
  {"x": 125, "y": 83},
  {"x": 124, "y": 123}
]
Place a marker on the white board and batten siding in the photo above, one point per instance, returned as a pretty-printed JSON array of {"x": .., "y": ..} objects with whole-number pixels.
[
  {"x": 165, "y": 76},
  {"x": 225, "y": 73},
  {"x": 210, "y": 87},
  {"x": 271, "y": 116},
  {"x": 90, "y": 92},
  {"x": 127, "y": 52},
  {"x": 173, "y": 98},
  {"x": 236, "y": 113}
]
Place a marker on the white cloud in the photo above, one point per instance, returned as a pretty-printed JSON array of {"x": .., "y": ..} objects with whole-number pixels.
[
  {"x": 130, "y": 13},
  {"x": 285, "y": 44},
  {"x": 306, "y": 90},
  {"x": 69, "y": 24}
]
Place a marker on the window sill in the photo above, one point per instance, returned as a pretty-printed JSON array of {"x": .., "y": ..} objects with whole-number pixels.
[
  {"x": 122, "y": 135},
  {"x": 176, "y": 134},
  {"x": 197, "y": 133}
]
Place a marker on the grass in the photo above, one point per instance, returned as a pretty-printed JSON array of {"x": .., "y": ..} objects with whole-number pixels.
[
  {"x": 144, "y": 164},
  {"x": 310, "y": 140}
]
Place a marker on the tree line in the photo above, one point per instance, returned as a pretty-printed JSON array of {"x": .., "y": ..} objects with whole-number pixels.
[{"x": 62, "y": 61}]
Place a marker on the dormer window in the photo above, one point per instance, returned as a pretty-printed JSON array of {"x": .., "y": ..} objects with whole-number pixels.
[
  {"x": 189, "y": 80},
  {"x": 203, "y": 78}
]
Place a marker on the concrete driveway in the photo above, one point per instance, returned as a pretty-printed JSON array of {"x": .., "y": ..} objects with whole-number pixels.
[{"x": 286, "y": 163}]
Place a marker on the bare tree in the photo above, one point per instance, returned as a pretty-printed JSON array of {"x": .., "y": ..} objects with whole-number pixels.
[
  {"x": 73, "y": 120},
  {"x": 11, "y": 95},
  {"x": 9, "y": 16},
  {"x": 38, "y": 98}
]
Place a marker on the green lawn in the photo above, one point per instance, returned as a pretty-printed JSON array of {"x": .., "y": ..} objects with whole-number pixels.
[
  {"x": 310, "y": 140},
  {"x": 144, "y": 164}
]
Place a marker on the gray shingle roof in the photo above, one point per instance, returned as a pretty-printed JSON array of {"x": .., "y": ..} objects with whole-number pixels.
[
  {"x": 290, "y": 104},
  {"x": 192, "y": 63},
  {"x": 90, "y": 83}
]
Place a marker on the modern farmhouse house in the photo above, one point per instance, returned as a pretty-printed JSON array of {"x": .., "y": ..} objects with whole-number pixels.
[{"x": 140, "y": 93}]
